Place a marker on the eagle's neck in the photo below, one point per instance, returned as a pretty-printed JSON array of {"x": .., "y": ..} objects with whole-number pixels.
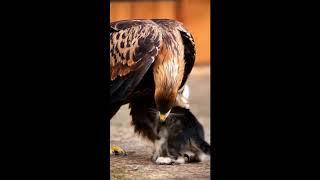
[{"x": 168, "y": 72}]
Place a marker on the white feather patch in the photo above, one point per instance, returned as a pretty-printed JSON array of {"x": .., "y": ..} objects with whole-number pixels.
[{"x": 186, "y": 92}]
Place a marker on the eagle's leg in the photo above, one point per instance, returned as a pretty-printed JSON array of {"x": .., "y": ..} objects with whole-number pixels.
[{"x": 114, "y": 149}]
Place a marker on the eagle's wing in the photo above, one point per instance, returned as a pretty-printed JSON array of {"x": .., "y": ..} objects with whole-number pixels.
[
  {"x": 189, "y": 54},
  {"x": 133, "y": 48},
  {"x": 188, "y": 42}
]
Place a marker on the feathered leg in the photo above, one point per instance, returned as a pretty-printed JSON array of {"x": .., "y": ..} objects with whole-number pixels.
[{"x": 144, "y": 116}]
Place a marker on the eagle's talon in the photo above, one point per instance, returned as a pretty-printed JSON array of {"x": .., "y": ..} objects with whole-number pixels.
[{"x": 116, "y": 150}]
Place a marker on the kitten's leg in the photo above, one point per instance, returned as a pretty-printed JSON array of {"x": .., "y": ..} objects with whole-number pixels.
[
  {"x": 176, "y": 157},
  {"x": 157, "y": 148},
  {"x": 168, "y": 158},
  {"x": 202, "y": 157},
  {"x": 202, "y": 149},
  {"x": 185, "y": 157},
  {"x": 189, "y": 156},
  {"x": 180, "y": 160},
  {"x": 162, "y": 155},
  {"x": 164, "y": 160}
]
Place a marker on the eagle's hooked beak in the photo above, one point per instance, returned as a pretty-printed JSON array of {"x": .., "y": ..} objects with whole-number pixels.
[{"x": 163, "y": 117}]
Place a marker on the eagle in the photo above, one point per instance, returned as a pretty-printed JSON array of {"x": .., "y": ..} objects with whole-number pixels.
[{"x": 150, "y": 61}]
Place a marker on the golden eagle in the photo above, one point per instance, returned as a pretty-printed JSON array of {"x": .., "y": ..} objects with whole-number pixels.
[{"x": 150, "y": 61}]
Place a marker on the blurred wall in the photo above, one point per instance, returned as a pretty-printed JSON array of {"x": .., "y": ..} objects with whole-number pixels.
[{"x": 194, "y": 14}]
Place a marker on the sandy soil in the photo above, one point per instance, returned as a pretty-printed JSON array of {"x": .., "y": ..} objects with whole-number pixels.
[{"x": 137, "y": 163}]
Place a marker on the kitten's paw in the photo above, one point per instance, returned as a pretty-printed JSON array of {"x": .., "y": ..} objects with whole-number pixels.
[
  {"x": 154, "y": 157},
  {"x": 203, "y": 157},
  {"x": 180, "y": 160},
  {"x": 164, "y": 160},
  {"x": 189, "y": 156}
]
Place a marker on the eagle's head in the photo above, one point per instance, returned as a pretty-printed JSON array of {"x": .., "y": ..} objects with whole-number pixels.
[
  {"x": 168, "y": 77},
  {"x": 168, "y": 72},
  {"x": 165, "y": 100}
]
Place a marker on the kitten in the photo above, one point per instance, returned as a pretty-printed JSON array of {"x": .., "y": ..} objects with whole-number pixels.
[{"x": 180, "y": 139}]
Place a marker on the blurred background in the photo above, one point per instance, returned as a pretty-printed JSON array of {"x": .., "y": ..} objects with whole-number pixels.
[{"x": 195, "y": 15}]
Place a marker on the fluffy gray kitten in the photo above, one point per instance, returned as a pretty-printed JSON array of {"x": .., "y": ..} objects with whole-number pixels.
[{"x": 179, "y": 139}]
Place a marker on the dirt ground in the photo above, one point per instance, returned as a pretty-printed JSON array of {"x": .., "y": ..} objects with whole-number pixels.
[{"x": 137, "y": 164}]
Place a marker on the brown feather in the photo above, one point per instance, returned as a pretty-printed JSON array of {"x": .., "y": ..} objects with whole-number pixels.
[
  {"x": 136, "y": 44},
  {"x": 124, "y": 45},
  {"x": 169, "y": 67}
]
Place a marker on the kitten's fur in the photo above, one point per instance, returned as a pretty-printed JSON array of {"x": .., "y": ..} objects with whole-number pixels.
[{"x": 179, "y": 139}]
